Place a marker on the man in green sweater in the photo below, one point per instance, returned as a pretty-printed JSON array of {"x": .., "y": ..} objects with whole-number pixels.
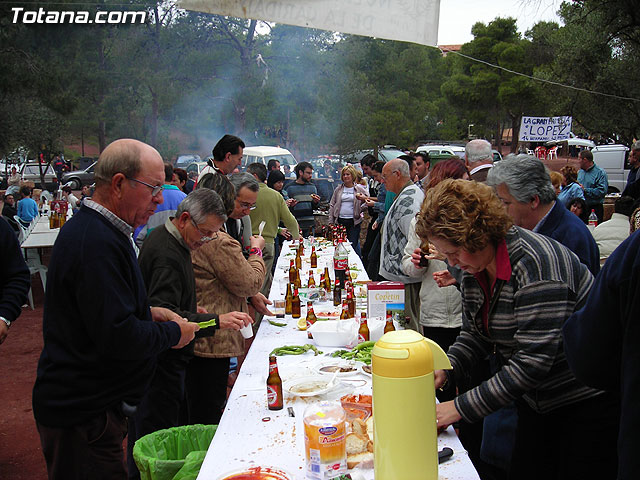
[{"x": 272, "y": 209}]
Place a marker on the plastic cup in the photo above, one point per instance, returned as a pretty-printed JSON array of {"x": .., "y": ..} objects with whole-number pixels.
[{"x": 247, "y": 331}]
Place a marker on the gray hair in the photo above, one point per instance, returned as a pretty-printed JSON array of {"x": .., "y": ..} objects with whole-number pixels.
[
  {"x": 478, "y": 150},
  {"x": 241, "y": 180},
  {"x": 200, "y": 204},
  {"x": 400, "y": 166},
  {"x": 525, "y": 176},
  {"x": 121, "y": 156}
]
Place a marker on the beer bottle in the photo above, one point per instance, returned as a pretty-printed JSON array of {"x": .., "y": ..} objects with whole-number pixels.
[
  {"x": 312, "y": 280},
  {"x": 301, "y": 248},
  {"x": 337, "y": 294},
  {"x": 292, "y": 271},
  {"x": 389, "y": 325},
  {"x": 288, "y": 300},
  {"x": 297, "y": 282},
  {"x": 327, "y": 280},
  {"x": 363, "y": 331},
  {"x": 295, "y": 305},
  {"x": 314, "y": 258},
  {"x": 311, "y": 318},
  {"x": 345, "y": 311},
  {"x": 298, "y": 260},
  {"x": 351, "y": 303},
  {"x": 274, "y": 386}
]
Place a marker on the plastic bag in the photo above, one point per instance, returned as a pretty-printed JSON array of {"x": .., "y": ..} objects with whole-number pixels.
[{"x": 174, "y": 453}]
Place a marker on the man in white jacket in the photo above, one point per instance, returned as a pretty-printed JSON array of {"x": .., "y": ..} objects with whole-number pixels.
[{"x": 608, "y": 235}]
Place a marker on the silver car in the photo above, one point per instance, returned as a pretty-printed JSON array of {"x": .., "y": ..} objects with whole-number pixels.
[
  {"x": 78, "y": 178},
  {"x": 30, "y": 172}
]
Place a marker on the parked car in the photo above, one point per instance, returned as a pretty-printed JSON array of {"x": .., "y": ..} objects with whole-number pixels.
[
  {"x": 78, "y": 178},
  {"x": 612, "y": 159},
  {"x": 384, "y": 154},
  {"x": 30, "y": 172},
  {"x": 183, "y": 161},
  {"x": 195, "y": 167},
  {"x": 457, "y": 150},
  {"x": 262, "y": 154}
]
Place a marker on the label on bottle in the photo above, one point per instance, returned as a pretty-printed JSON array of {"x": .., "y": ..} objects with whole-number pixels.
[
  {"x": 272, "y": 395},
  {"x": 340, "y": 263},
  {"x": 361, "y": 338},
  {"x": 272, "y": 368}
]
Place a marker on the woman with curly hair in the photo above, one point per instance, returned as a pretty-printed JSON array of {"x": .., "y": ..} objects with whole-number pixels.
[
  {"x": 570, "y": 187},
  {"x": 518, "y": 288}
]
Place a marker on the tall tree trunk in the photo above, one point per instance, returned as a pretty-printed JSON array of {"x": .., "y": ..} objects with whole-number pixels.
[
  {"x": 153, "y": 121},
  {"x": 102, "y": 129},
  {"x": 515, "y": 133},
  {"x": 102, "y": 135}
]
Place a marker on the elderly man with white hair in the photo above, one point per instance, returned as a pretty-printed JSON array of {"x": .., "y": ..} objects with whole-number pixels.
[
  {"x": 523, "y": 184},
  {"x": 479, "y": 159},
  {"x": 395, "y": 231}
]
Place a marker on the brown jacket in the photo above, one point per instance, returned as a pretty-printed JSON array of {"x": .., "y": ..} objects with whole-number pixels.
[{"x": 224, "y": 280}]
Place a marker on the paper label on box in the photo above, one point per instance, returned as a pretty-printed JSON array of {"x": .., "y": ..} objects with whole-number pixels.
[{"x": 381, "y": 294}]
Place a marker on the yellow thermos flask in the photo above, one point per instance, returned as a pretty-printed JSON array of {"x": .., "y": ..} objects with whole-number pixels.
[{"x": 404, "y": 406}]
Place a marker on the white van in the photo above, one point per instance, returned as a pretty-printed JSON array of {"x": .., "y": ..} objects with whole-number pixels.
[
  {"x": 611, "y": 158},
  {"x": 263, "y": 154}
]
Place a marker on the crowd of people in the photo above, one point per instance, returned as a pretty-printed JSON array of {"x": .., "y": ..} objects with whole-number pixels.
[{"x": 498, "y": 265}]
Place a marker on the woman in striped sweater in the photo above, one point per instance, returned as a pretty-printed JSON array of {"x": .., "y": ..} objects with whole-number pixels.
[{"x": 518, "y": 288}]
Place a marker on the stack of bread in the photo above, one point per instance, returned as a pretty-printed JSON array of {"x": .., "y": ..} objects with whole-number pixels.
[{"x": 360, "y": 443}]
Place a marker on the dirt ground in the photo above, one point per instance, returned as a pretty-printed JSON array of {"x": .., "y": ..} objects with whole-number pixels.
[{"x": 20, "y": 454}]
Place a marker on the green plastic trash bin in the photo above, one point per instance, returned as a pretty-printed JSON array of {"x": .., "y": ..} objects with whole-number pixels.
[{"x": 173, "y": 454}]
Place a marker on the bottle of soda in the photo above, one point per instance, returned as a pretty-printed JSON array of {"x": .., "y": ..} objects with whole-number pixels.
[
  {"x": 337, "y": 294},
  {"x": 295, "y": 305},
  {"x": 312, "y": 281},
  {"x": 311, "y": 318},
  {"x": 593, "y": 220},
  {"x": 388, "y": 327},
  {"x": 340, "y": 262},
  {"x": 292, "y": 271},
  {"x": 274, "y": 386},
  {"x": 363, "y": 331},
  {"x": 314, "y": 258},
  {"x": 288, "y": 301}
]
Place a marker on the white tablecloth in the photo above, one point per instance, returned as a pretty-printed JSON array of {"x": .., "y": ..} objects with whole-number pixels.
[{"x": 250, "y": 434}]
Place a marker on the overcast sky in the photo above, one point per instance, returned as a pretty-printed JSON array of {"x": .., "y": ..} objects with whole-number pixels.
[{"x": 458, "y": 16}]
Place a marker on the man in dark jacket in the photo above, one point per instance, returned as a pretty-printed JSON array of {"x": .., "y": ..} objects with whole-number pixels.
[
  {"x": 524, "y": 186},
  {"x": 15, "y": 280},
  {"x": 101, "y": 339},
  {"x": 165, "y": 262}
]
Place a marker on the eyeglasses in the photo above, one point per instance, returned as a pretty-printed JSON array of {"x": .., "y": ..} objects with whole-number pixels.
[
  {"x": 204, "y": 238},
  {"x": 245, "y": 206},
  {"x": 155, "y": 190}
]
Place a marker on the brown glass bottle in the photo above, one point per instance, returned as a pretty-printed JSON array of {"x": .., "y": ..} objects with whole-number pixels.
[
  {"x": 301, "y": 247},
  {"x": 292, "y": 271},
  {"x": 312, "y": 280},
  {"x": 297, "y": 282},
  {"x": 288, "y": 300},
  {"x": 363, "y": 331},
  {"x": 311, "y": 318},
  {"x": 275, "y": 400},
  {"x": 351, "y": 303},
  {"x": 314, "y": 258},
  {"x": 327, "y": 280},
  {"x": 345, "y": 311},
  {"x": 298, "y": 260},
  {"x": 337, "y": 294},
  {"x": 295, "y": 305},
  {"x": 388, "y": 327}
]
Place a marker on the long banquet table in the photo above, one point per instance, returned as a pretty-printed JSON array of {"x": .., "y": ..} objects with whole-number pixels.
[{"x": 250, "y": 435}]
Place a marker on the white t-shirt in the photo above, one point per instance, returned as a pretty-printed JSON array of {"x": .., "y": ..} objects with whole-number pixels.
[{"x": 346, "y": 205}]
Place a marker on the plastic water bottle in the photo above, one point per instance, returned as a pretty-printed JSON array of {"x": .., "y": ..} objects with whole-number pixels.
[{"x": 593, "y": 220}]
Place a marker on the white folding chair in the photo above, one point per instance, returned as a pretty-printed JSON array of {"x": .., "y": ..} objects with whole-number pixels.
[{"x": 35, "y": 266}]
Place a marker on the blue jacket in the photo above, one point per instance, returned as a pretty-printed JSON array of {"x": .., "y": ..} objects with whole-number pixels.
[
  {"x": 172, "y": 197},
  {"x": 595, "y": 184},
  {"x": 601, "y": 343},
  {"x": 566, "y": 228},
  {"x": 100, "y": 343},
  {"x": 27, "y": 209},
  {"x": 570, "y": 192}
]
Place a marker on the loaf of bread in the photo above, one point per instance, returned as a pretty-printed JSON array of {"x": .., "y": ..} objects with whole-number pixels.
[{"x": 360, "y": 443}]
